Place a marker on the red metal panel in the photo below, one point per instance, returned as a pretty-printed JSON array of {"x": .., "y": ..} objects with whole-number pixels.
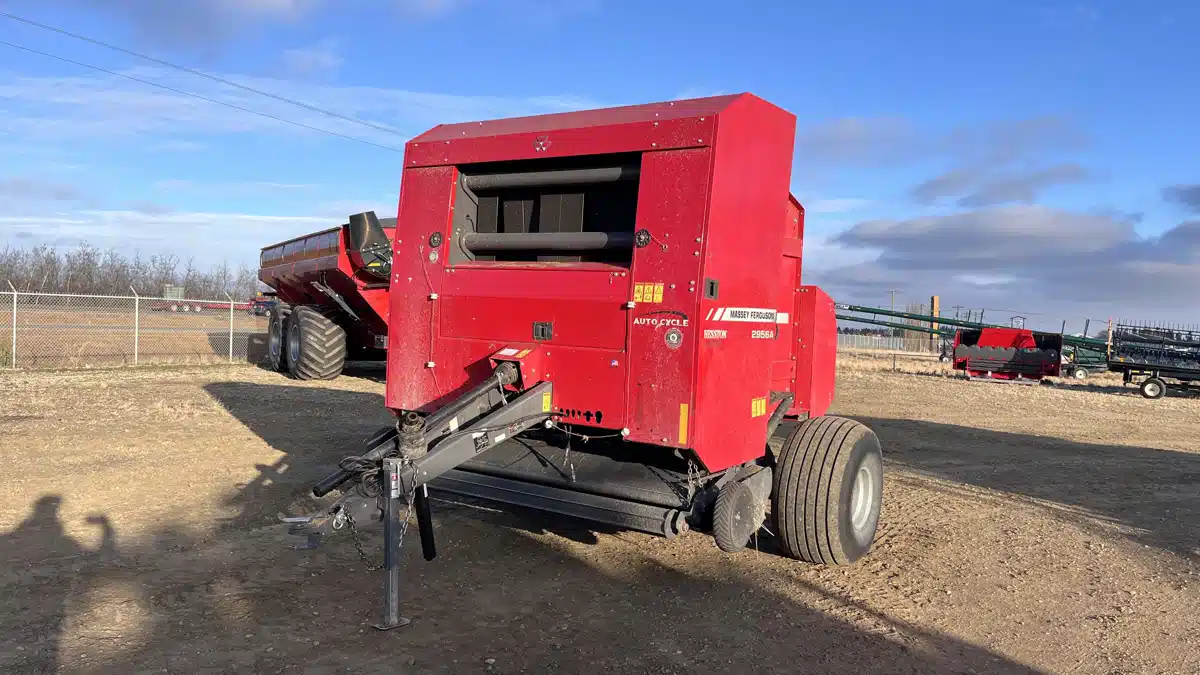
[
  {"x": 783, "y": 368},
  {"x": 586, "y": 380},
  {"x": 662, "y": 323},
  {"x": 580, "y": 119},
  {"x": 743, "y": 248},
  {"x": 636, "y": 137},
  {"x": 816, "y": 351},
  {"x": 426, "y": 201}
]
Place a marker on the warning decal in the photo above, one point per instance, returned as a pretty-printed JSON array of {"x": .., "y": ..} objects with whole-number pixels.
[
  {"x": 651, "y": 293},
  {"x": 758, "y": 406}
]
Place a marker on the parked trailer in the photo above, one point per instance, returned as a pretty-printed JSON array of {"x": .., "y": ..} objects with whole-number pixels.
[
  {"x": 1078, "y": 355},
  {"x": 331, "y": 289},
  {"x": 630, "y": 277},
  {"x": 1007, "y": 354},
  {"x": 1156, "y": 359}
]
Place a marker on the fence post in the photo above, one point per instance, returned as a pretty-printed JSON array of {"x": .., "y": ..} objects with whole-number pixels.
[
  {"x": 230, "y": 326},
  {"x": 12, "y": 357},
  {"x": 137, "y": 320}
]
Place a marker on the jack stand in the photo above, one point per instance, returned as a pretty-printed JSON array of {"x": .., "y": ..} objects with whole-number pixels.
[{"x": 393, "y": 537}]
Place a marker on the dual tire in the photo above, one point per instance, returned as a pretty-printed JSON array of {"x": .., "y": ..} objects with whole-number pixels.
[{"x": 305, "y": 342}]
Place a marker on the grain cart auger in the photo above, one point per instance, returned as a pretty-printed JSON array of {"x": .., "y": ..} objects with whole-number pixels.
[{"x": 599, "y": 314}]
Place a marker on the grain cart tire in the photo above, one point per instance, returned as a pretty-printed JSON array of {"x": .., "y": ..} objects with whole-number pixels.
[
  {"x": 737, "y": 515},
  {"x": 1153, "y": 388},
  {"x": 277, "y": 337},
  {"x": 828, "y": 490},
  {"x": 316, "y": 346}
]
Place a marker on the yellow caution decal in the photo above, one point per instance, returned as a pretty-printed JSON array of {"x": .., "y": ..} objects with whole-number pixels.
[
  {"x": 683, "y": 423},
  {"x": 758, "y": 407},
  {"x": 546, "y": 402}
]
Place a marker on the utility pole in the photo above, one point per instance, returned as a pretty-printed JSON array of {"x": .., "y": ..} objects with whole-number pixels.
[{"x": 893, "y": 292}]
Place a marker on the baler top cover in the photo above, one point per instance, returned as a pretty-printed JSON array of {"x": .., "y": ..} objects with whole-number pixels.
[{"x": 643, "y": 259}]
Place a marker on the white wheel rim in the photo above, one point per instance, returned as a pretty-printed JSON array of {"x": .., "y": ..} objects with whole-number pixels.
[
  {"x": 1152, "y": 388},
  {"x": 862, "y": 499}
]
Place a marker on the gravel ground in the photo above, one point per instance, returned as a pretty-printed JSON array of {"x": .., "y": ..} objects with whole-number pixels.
[{"x": 1050, "y": 529}]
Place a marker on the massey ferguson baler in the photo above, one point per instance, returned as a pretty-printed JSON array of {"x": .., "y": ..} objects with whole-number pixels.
[
  {"x": 600, "y": 314},
  {"x": 333, "y": 297}
]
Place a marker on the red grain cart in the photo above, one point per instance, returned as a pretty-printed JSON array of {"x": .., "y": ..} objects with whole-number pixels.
[
  {"x": 332, "y": 292},
  {"x": 1007, "y": 354},
  {"x": 600, "y": 314}
]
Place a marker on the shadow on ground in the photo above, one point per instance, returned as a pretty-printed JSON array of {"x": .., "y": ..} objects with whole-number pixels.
[
  {"x": 1155, "y": 494},
  {"x": 496, "y": 601}
]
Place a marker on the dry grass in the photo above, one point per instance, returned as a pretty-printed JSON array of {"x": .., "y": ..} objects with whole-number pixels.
[{"x": 1026, "y": 529}]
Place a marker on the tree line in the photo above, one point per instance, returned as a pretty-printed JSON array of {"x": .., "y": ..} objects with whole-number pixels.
[{"x": 91, "y": 271}]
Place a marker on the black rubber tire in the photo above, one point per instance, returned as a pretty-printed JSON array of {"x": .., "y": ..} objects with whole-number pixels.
[
  {"x": 1153, "y": 388},
  {"x": 316, "y": 346},
  {"x": 737, "y": 515},
  {"x": 1079, "y": 373},
  {"x": 812, "y": 499},
  {"x": 277, "y": 321}
]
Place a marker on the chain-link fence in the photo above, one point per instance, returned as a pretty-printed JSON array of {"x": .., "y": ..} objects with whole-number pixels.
[
  {"x": 910, "y": 341},
  {"x": 44, "y": 330}
]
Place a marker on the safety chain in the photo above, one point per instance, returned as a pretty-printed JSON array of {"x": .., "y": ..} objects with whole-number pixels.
[{"x": 412, "y": 495}]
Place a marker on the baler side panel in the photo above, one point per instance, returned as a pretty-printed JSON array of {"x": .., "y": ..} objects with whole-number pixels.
[
  {"x": 783, "y": 368},
  {"x": 663, "y": 322},
  {"x": 752, "y": 170},
  {"x": 426, "y": 202},
  {"x": 816, "y": 351}
]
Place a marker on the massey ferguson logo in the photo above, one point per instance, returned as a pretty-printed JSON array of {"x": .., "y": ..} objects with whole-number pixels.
[
  {"x": 749, "y": 315},
  {"x": 541, "y": 143}
]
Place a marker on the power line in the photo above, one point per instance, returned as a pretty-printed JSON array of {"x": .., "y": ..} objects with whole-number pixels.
[
  {"x": 202, "y": 98},
  {"x": 200, "y": 73}
]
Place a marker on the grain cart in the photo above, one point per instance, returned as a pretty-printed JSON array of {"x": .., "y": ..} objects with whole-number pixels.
[
  {"x": 332, "y": 291},
  {"x": 600, "y": 314}
]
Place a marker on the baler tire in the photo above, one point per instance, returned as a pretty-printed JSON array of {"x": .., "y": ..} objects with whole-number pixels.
[
  {"x": 278, "y": 319},
  {"x": 828, "y": 491},
  {"x": 316, "y": 346},
  {"x": 737, "y": 515}
]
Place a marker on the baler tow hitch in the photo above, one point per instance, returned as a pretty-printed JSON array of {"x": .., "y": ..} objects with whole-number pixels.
[{"x": 403, "y": 459}]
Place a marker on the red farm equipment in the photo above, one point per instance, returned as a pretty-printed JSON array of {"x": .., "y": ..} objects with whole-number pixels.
[
  {"x": 1007, "y": 354},
  {"x": 599, "y": 314},
  {"x": 331, "y": 289}
]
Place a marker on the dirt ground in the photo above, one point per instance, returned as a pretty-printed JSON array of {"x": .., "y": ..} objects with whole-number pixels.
[{"x": 1025, "y": 529}]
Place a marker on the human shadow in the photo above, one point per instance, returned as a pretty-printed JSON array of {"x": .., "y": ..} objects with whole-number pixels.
[
  {"x": 1155, "y": 492},
  {"x": 43, "y": 569}
]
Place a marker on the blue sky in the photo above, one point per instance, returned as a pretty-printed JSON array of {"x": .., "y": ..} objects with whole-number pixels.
[{"x": 1033, "y": 156}]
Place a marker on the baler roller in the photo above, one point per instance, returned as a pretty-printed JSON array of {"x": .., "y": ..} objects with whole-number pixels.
[
  {"x": 480, "y": 243},
  {"x": 530, "y": 179}
]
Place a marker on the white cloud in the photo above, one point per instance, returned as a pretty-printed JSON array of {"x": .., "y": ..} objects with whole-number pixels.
[
  {"x": 320, "y": 59},
  {"x": 65, "y": 108}
]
